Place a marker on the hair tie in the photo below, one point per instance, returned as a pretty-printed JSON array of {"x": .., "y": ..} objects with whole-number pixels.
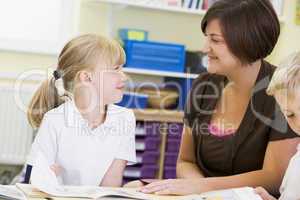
[{"x": 56, "y": 74}]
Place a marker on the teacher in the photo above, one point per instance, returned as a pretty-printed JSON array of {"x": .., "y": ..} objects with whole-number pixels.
[{"x": 234, "y": 135}]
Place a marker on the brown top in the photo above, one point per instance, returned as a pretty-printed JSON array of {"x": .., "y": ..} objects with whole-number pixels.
[{"x": 243, "y": 151}]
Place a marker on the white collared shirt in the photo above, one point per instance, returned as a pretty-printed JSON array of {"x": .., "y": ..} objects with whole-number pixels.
[
  {"x": 85, "y": 154},
  {"x": 290, "y": 187}
]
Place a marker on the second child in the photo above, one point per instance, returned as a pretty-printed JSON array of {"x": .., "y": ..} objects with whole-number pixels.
[{"x": 285, "y": 87}]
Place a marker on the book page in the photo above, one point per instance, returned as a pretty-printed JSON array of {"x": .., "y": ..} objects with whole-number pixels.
[
  {"x": 45, "y": 180},
  {"x": 11, "y": 192},
  {"x": 244, "y": 193}
]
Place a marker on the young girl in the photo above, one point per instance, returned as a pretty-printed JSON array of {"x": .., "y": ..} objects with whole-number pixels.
[
  {"x": 86, "y": 139},
  {"x": 285, "y": 87}
]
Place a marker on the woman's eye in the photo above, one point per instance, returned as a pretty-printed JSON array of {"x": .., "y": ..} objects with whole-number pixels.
[
  {"x": 290, "y": 115},
  {"x": 214, "y": 40}
]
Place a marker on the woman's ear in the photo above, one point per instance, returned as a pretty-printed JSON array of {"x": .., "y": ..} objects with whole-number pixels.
[{"x": 84, "y": 76}]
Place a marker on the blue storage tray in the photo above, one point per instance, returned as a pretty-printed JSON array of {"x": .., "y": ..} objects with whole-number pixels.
[
  {"x": 134, "y": 100},
  {"x": 155, "y": 55}
]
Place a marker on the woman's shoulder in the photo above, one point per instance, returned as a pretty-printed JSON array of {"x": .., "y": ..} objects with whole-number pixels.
[
  {"x": 269, "y": 68},
  {"x": 205, "y": 80},
  {"x": 206, "y": 76}
]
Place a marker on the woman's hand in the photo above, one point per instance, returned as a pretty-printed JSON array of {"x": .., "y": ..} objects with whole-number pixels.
[
  {"x": 133, "y": 184},
  {"x": 264, "y": 194},
  {"x": 175, "y": 187},
  {"x": 139, "y": 183}
]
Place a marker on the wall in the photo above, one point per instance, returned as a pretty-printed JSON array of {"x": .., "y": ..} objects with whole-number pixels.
[
  {"x": 91, "y": 20},
  {"x": 289, "y": 40},
  {"x": 163, "y": 26}
]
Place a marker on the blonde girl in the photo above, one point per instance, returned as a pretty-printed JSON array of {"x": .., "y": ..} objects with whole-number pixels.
[{"x": 86, "y": 139}]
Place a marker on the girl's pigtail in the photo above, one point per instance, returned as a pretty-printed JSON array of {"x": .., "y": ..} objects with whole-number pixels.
[{"x": 44, "y": 99}]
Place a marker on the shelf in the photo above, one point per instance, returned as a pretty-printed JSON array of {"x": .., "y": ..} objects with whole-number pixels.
[
  {"x": 130, "y": 70},
  {"x": 141, "y": 4},
  {"x": 158, "y": 115}
]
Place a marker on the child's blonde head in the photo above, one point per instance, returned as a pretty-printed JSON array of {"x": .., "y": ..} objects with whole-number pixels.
[
  {"x": 286, "y": 78},
  {"x": 81, "y": 53}
]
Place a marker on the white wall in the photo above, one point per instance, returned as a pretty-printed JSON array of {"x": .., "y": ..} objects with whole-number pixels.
[{"x": 289, "y": 40}]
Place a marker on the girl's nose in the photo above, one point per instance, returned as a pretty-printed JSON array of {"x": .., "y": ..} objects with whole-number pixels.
[{"x": 124, "y": 76}]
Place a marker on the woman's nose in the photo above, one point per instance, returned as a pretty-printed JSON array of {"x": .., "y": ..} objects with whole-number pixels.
[{"x": 206, "y": 46}]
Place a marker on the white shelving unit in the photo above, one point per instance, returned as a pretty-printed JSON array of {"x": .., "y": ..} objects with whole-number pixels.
[
  {"x": 142, "y": 4},
  {"x": 146, "y": 4},
  {"x": 130, "y": 70}
]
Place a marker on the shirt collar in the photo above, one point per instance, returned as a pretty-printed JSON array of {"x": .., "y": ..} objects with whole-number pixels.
[{"x": 74, "y": 118}]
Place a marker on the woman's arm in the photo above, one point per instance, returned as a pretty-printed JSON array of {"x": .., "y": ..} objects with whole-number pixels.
[
  {"x": 114, "y": 175},
  {"x": 270, "y": 176},
  {"x": 276, "y": 160},
  {"x": 186, "y": 164}
]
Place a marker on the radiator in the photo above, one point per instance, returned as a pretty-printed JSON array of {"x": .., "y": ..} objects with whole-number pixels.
[{"x": 16, "y": 135}]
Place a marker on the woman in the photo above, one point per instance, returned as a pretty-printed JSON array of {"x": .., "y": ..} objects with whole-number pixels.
[{"x": 233, "y": 134}]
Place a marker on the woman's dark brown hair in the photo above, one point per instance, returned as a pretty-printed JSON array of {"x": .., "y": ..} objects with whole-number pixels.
[{"x": 250, "y": 27}]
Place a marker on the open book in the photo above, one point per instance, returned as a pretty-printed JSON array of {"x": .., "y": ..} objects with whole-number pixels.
[
  {"x": 87, "y": 192},
  {"x": 44, "y": 183},
  {"x": 24, "y": 191},
  {"x": 10, "y": 192},
  {"x": 243, "y": 193}
]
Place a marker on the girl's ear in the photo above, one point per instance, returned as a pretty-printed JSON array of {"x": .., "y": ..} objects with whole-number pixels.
[{"x": 84, "y": 76}]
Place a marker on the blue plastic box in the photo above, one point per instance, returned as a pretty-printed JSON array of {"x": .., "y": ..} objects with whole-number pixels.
[
  {"x": 155, "y": 55},
  {"x": 134, "y": 100}
]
